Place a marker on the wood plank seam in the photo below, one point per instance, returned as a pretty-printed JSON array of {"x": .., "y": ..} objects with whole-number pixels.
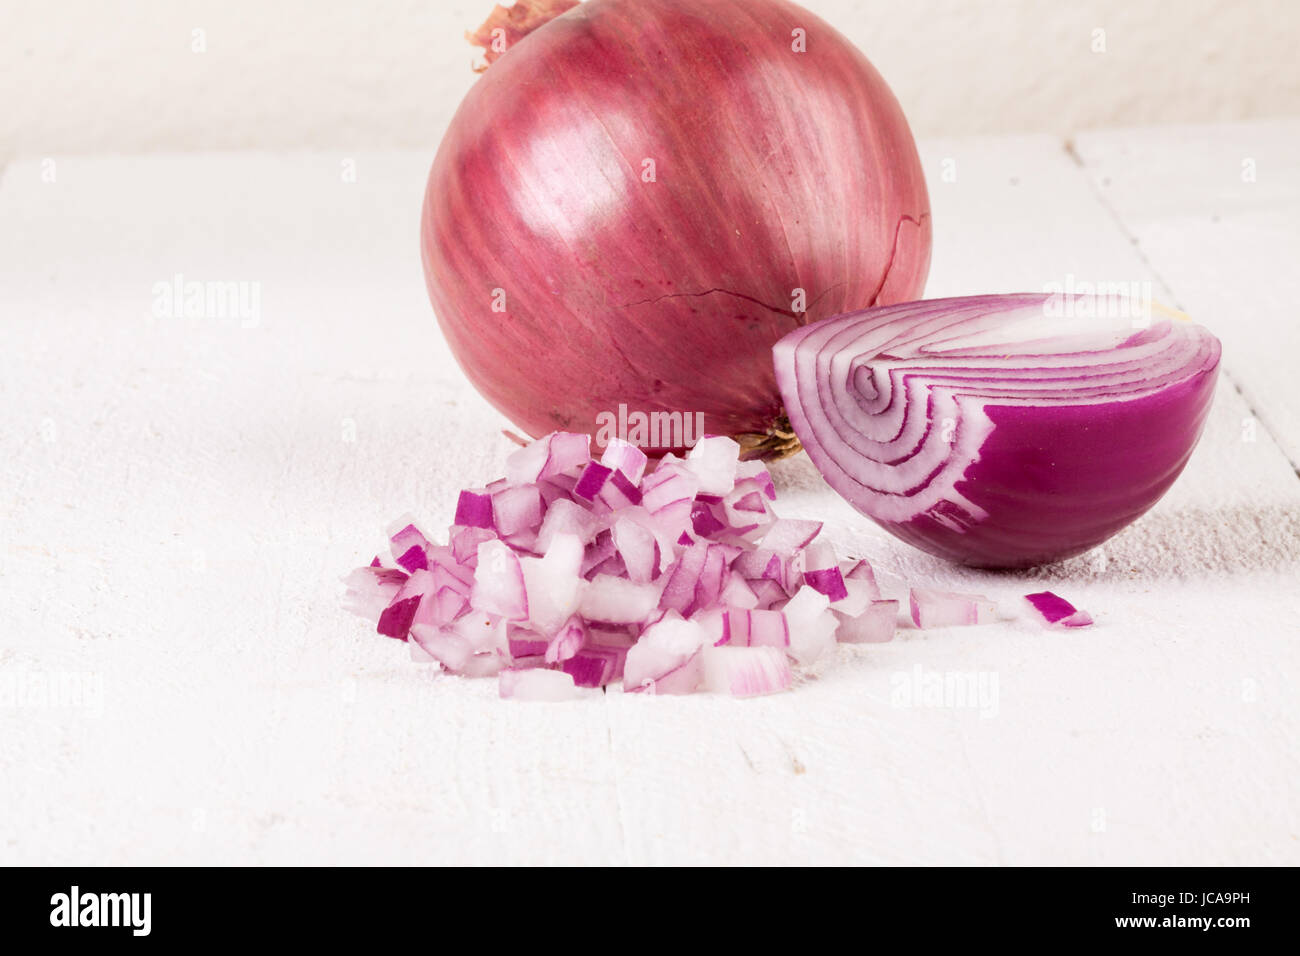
[{"x": 1269, "y": 427}]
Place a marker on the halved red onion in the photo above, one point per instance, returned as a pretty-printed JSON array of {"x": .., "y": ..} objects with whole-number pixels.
[
  {"x": 1055, "y": 611},
  {"x": 1001, "y": 430}
]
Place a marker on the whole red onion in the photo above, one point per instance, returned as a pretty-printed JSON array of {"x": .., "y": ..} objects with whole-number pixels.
[{"x": 641, "y": 197}]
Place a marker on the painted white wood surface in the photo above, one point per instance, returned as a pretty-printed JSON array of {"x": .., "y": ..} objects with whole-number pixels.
[
  {"x": 179, "y": 497},
  {"x": 1215, "y": 211}
]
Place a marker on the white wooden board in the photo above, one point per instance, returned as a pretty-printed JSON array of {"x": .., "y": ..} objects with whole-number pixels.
[
  {"x": 1215, "y": 211},
  {"x": 179, "y": 497}
]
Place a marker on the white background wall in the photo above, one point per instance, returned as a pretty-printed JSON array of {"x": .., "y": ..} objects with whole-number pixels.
[{"x": 89, "y": 76}]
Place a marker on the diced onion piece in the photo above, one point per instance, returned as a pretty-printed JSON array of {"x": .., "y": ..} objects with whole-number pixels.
[
  {"x": 445, "y": 646},
  {"x": 618, "y": 492},
  {"x": 668, "y": 485},
  {"x": 811, "y": 625},
  {"x": 756, "y": 471},
  {"x": 558, "y": 453},
  {"x": 517, "y": 509},
  {"x": 949, "y": 609},
  {"x": 683, "y": 579},
  {"x": 637, "y": 546},
  {"x": 568, "y": 640},
  {"x": 482, "y": 632},
  {"x": 821, "y": 573},
  {"x": 615, "y": 600},
  {"x": 524, "y": 467},
  {"x": 535, "y": 683},
  {"x": 465, "y": 540},
  {"x": 713, "y": 621},
  {"x": 395, "y": 620},
  {"x": 713, "y": 460},
  {"x": 789, "y": 535},
  {"x": 625, "y": 457},
  {"x": 745, "y": 671},
  {"x": 553, "y": 583},
  {"x": 666, "y": 660},
  {"x": 408, "y": 544},
  {"x": 441, "y": 606},
  {"x": 524, "y": 642},
  {"x": 499, "y": 582},
  {"x": 474, "y": 509},
  {"x": 861, "y": 571},
  {"x": 370, "y": 590},
  {"x": 755, "y": 628},
  {"x": 736, "y": 593},
  {"x": 770, "y": 594},
  {"x": 601, "y": 659},
  {"x": 1055, "y": 611},
  {"x": 482, "y": 665},
  {"x": 566, "y": 517},
  {"x": 875, "y": 624},
  {"x": 568, "y": 454},
  {"x": 704, "y": 521},
  {"x": 591, "y": 481}
]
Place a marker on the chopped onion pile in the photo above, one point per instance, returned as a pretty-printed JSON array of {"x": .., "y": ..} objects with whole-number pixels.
[
  {"x": 1002, "y": 430},
  {"x": 572, "y": 573},
  {"x": 673, "y": 580}
]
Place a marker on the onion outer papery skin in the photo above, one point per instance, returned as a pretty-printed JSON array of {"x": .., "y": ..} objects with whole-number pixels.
[
  {"x": 774, "y": 171},
  {"x": 976, "y": 430}
]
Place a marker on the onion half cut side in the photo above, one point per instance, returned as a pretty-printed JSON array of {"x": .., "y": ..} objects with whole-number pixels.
[{"x": 1003, "y": 430}]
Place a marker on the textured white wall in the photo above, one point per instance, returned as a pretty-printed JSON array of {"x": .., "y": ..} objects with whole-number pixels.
[{"x": 90, "y": 75}]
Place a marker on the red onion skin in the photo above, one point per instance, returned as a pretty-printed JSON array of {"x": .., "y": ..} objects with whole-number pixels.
[{"x": 774, "y": 171}]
